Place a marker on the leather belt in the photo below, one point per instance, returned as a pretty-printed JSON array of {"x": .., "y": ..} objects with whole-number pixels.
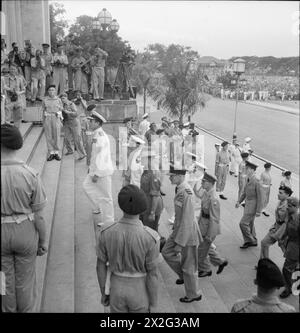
[
  {"x": 266, "y": 186},
  {"x": 130, "y": 275},
  {"x": 17, "y": 218},
  {"x": 222, "y": 164}
]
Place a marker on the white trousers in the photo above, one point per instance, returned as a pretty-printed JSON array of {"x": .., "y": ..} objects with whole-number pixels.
[{"x": 100, "y": 194}]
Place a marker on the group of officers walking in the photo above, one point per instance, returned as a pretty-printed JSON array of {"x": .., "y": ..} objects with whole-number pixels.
[{"x": 128, "y": 251}]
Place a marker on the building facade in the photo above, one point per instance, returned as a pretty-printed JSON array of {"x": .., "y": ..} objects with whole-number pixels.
[{"x": 25, "y": 19}]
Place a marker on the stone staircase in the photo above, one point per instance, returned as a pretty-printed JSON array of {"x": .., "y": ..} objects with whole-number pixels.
[{"x": 66, "y": 275}]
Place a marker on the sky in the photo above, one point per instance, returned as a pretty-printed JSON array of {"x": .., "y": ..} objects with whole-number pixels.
[{"x": 213, "y": 28}]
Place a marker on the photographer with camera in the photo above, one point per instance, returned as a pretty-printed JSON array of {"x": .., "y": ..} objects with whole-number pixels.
[
  {"x": 80, "y": 69},
  {"x": 38, "y": 77},
  {"x": 60, "y": 70},
  {"x": 14, "y": 88}
]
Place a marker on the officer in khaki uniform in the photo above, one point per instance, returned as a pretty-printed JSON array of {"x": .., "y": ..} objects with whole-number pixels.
[
  {"x": 23, "y": 229},
  {"x": 52, "y": 115},
  {"x": 209, "y": 225},
  {"x": 181, "y": 248},
  {"x": 268, "y": 280},
  {"x": 131, "y": 250},
  {"x": 222, "y": 166},
  {"x": 253, "y": 205},
  {"x": 277, "y": 230}
]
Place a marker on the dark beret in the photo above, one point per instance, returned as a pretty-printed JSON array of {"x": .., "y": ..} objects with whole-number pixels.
[
  {"x": 51, "y": 86},
  {"x": 287, "y": 173},
  {"x": 159, "y": 131},
  {"x": 286, "y": 189},
  {"x": 268, "y": 275},
  {"x": 244, "y": 154},
  {"x": 267, "y": 165},
  {"x": 11, "y": 137},
  {"x": 91, "y": 107},
  {"x": 132, "y": 200}
]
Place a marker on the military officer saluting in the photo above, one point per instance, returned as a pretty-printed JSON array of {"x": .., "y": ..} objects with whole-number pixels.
[
  {"x": 253, "y": 206},
  {"x": 181, "y": 248},
  {"x": 222, "y": 166},
  {"x": 209, "y": 224},
  {"x": 132, "y": 251}
]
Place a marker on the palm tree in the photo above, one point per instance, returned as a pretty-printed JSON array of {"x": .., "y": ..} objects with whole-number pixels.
[{"x": 181, "y": 92}]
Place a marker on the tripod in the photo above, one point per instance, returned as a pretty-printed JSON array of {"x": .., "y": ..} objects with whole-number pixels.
[{"x": 123, "y": 77}]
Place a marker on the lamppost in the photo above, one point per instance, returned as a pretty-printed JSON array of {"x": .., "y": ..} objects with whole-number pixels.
[
  {"x": 103, "y": 27},
  {"x": 238, "y": 69}
]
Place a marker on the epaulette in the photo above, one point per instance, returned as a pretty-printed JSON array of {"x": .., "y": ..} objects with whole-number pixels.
[
  {"x": 153, "y": 233},
  {"x": 32, "y": 171},
  {"x": 240, "y": 306},
  {"x": 106, "y": 226},
  {"x": 189, "y": 191}
]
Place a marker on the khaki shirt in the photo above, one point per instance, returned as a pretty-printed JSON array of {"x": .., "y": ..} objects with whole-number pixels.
[
  {"x": 70, "y": 107},
  {"x": 222, "y": 158},
  {"x": 150, "y": 184},
  {"x": 185, "y": 230},
  {"x": 128, "y": 246},
  {"x": 210, "y": 206},
  {"x": 48, "y": 59},
  {"x": 292, "y": 232},
  {"x": 13, "y": 82},
  {"x": 259, "y": 305},
  {"x": 51, "y": 105},
  {"x": 22, "y": 191},
  {"x": 278, "y": 228},
  {"x": 252, "y": 196}
]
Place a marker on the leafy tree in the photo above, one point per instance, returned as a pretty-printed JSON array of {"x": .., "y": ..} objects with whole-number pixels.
[
  {"x": 58, "y": 23},
  {"x": 82, "y": 29},
  {"x": 180, "y": 89}
]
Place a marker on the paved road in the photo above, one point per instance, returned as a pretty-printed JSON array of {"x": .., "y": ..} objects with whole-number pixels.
[{"x": 275, "y": 134}]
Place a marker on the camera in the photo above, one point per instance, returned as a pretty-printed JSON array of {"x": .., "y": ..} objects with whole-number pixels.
[{"x": 13, "y": 96}]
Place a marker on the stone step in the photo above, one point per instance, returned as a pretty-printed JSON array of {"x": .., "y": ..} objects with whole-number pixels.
[
  {"x": 30, "y": 143},
  {"x": 50, "y": 172},
  {"x": 59, "y": 284},
  {"x": 87, "y": 291},
  {"x": 25, "y": 129}
]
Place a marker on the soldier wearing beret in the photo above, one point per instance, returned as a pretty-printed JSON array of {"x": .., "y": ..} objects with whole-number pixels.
[
  {"x": 265, "y": 182},
  {"x": 23, "y": 229},
  {"x": 253, "y": 205},
  {"x": 181, "y": 248},
  {"x": 97, "y": 184},
  {"x": 277, "y": 230},
  {"x": 209, "y": 224},
  {"x": 291, "y": 253},
  {"x": 222, "y": 164},
  {"x": 132, "y": 251},
  {"x": 268, "y": 280}
]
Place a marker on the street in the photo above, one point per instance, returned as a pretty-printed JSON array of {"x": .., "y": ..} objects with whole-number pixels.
[{"x": 275, "y": 134}]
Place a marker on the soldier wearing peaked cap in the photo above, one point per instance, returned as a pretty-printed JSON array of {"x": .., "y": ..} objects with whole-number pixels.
[
  {"x": 48, "y": 59},
  {"x": 180, "y": 250},
  {"x": 97, "y": 184},
  {"x": 253, "y": 206},
  {"x": 268, "y": 280},
  {"x": 222, "y": 166},
  {"x": 266, "y": 183},
  {"x": 60, "y": 70},
  {"x": 209, "y": 225},
  {"x": 132, "y": 251}
]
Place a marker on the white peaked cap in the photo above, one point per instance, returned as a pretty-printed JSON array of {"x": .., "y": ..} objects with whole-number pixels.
[
  {"x": 145, "y": 115},
  {"x": 97, "y": 115},
  {"x": 248, "y": 139}
]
